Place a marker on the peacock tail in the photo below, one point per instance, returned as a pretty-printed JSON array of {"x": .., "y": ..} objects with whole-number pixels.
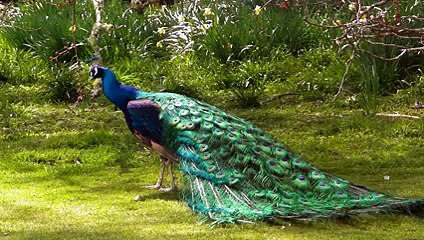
[{"x": 234, "y": 171}]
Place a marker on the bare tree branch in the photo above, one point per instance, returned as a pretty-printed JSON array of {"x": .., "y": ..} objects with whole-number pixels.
[
  {"x": 95, "y": 32},
  {"x": 348, "y": 65}
]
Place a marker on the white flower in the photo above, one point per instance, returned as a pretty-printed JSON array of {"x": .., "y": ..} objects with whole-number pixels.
[
  {"x": 181, "y": 18},
  {"x": 159, "y": 44},
  {"x": 258, "y": 10},
  {"x": 363, "y": 18},
  {"x": 352, "y": 7},
  {"x": 73, "y": 28},
  {"x": 207, "y": 12},
  {"x": 207, "y": 26},
  {"x": 161, "y": 31}
]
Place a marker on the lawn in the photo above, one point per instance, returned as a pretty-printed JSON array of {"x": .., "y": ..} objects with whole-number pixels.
[{"x": 73, "y": 173}]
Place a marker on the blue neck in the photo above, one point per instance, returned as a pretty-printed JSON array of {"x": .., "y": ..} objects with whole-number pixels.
[{"x": 116, "y": 92}]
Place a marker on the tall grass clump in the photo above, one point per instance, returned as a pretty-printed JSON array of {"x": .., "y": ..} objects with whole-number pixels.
[
  {"x": 315, "y": 73},
  {"x": 129, "y": 36},
  {"x": 376, "y": 76},
  {"x": 20, "y": 66},
  {"x": 255, "y": 34}
]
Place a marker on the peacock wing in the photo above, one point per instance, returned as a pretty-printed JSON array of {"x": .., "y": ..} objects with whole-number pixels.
[{"x": 143, "y": 117}]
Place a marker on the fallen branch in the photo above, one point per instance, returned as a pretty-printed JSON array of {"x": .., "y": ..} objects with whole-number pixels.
[{"x": 395, "y": 115}]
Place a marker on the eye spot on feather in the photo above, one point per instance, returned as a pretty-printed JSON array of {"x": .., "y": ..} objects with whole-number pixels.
[
  {"x": 178, "y": 104},
  {"x": 220, "y": 174},
  {"x": 300, "y": 164},
  {"x": 190, "y": 104},
  {"x": 207, "y": 125},
  {"x": 211, "y": 169},
  {"x": 208, "y": 117},
  {"x": 218, "y": 132},
  {"x": 170, "y": 107},
  {"x": 203, "y": 147},
  {"x": 322, "y": 186},
  {"x": 206, "y": 156},
  {"x": 316, "y": 175},
  {"x": 184, "y": 112},
  {"x": 340, "y": 184},
  {"x": 340, "y": 194},
  {"x": 194, "y": 112},
  {"x": 301, "y": 181},
  {"x": 196, "y": 119},
  {"x": 190, "y": 125},
  {"x": 175, "y": 121},
  {"x": 181, "y": 126},
  {"x": 280, "y": 152},
  {"x": 221, "y": 123},
  {"x": 232, "y": 136},
  {"x": 234, "y": 181}
]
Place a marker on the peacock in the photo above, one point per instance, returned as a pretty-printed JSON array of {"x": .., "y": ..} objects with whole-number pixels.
[{"x": 232, "y": 170}]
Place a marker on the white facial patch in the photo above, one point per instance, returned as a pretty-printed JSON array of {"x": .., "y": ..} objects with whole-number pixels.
[{"x": 93, "y": 72}]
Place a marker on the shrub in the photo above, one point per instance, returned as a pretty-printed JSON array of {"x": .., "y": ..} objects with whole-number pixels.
[
  {"x": 62, "y": 86},
  {"x": 44, "y": 28}
]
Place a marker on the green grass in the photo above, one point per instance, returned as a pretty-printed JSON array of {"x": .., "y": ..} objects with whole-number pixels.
[{"x": 46, "y": 194}]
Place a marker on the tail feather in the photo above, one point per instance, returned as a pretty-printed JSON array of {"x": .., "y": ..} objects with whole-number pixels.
[
  {"x": 234, "y": 171},
  {"x": 225, "y": 204}
]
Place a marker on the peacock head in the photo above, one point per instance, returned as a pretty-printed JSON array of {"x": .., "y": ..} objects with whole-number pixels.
[{"x": 96, "y": 71}]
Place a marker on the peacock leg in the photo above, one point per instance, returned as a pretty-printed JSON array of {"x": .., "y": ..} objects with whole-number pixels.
[
  {"x": 158, "y": 184},
  {"x": 171, "y": 173}
]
